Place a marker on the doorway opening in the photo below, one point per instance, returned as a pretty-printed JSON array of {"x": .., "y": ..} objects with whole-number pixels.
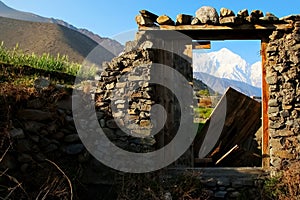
[{"x": 228, "y": 97}]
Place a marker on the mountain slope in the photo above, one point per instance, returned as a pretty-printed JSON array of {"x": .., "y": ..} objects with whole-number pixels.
[
  {"x": 111, "y": 45},
  {"x": 50, "y": 38},
  {"x": 226, "y": 64}
]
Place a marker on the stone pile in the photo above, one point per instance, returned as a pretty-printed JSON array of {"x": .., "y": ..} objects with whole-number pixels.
[
  {"x": 40, "y": 128},
  {"x": 282, "y": 76},
  {"x": 208, "y": 15}
]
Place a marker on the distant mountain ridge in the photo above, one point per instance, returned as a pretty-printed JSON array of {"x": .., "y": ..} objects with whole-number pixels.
[
  {"x": 111, "y": 45},
  {"x": 221, "y": 84},
  {"x": 40, "y": 38}
]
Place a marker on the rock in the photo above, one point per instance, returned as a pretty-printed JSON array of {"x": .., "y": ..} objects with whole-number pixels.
[
  {"x": 84, "y": 157},
  {"x": 24, "y": 145},
  {"x": 228, "y": 20},
  {"x": 143, "y": 21},
  {"x": 281, "y": 154},
  {"x": 8, "y": 162},
  {"x": 167, "y": 196},
  {"x": 149, "y": 15},
  {"x": 235, "y": 194},
  {"x": 41, "y": 83},
  {"x": 112, "y": 124},
  {"x": 254, "y": 16},
  {"x": 290, "y": 17},
  {"x": 58, "y": 135},
  {"x": 223, "y": 181},
  {"x": 220, "y": 194},
  {"x": 243, "y": 14},
  {"x": 102, "y": 123},
  {"x": 66, "y": 103},
  {"x": 285, "y": 133},
  {"x": 73, "y": 149},
  {"x": 72, "y": 138},
  {"x": 271, "y": 80},
  {"x": 273, "y": 103},
  {"x": 269, "y": 18},
  {"x": 183, "y": 19},
  {"x": 35, "y": 104},
  {"x": 165, "y": 20},
  {"x": 34, "y": 138},
  {"x": 109, "y": 133},
  {"x": 224, "y": 12},
  {"x": 17, "y": 133},
  {"x": 207, "y": 15},
  {"x": 100, "y": 115},
  {"x": 34, "y": 115},
  {"x": 24, "y": 167},
  {"x": 24, "y": 158},
  {"x": 50, "y": 148},
  {"x": 195, "y": 21}
]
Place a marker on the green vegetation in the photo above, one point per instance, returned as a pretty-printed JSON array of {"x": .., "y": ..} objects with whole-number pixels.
[
  {"x": 284, "y": 186},
  {"x": 202, "y": 93},
  {"x": 46, "y": 62},
  {"x": 202, "y": 113}
]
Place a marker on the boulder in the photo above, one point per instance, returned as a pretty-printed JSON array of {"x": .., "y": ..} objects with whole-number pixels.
[
  {"x": 143, "y": 21},
  {"x": 146, "y": 14},
  {"x": 195, "y": 21},
  {"x": 228, "y": 20},
  {"x": 243, "y": 13},
  {"x": 254, "y": 16},
  {"x": 207, "y": 15},
  {"x": 224, "y": 12},
  {"x": 164, "y": 20},
  {"x": 183, "y": 19},
  {"x": 269, "y": 18}
]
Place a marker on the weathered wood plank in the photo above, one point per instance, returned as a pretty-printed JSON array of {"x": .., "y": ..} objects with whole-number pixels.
[
  {"x": 220, "y": 28},
  {"x": 242, "y": 120},
  {"x": 265, "y": 100}
]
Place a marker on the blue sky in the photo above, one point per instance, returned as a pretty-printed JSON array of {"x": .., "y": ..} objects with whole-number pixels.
[{"x": 113, "y": 18}]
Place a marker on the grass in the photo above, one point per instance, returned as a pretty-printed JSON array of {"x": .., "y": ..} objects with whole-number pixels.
[{"x": 60, "y": 63}]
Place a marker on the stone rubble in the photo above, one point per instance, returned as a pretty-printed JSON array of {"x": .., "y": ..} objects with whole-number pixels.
[{"x": 208, "y": 15}]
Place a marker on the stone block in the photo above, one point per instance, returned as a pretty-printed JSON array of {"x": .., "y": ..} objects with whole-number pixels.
[
  {"x": 220, "y": 194},
  {"x": 165, "y": 20},
  {"x": 183, "y": 19},
  {"x": 224, "y": 12},
  {"x": 207, "y": 15},
  {"x": 228, "y": 20}
]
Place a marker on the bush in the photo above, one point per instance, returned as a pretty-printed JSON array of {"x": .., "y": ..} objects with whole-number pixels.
[{"x": 285, "y": 186}]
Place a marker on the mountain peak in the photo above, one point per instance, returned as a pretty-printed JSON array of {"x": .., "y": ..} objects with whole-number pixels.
[{"x": 224, "y": 50}]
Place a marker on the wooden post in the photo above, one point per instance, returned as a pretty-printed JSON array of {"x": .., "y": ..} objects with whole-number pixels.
[{"x": 265, "y": 100}]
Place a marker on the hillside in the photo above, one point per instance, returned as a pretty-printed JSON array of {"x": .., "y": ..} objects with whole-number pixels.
[
  {"x": 51, "y": 38},
  {"x": 111, "y": 45}
]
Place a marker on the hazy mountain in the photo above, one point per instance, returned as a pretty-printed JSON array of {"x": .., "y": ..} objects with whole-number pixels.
[
  {"x": 111, "y": 45},
  {"x": 220, "y": 84},
  {"x": 226, "y": 64},
  {"x": 50, "y": 38}
]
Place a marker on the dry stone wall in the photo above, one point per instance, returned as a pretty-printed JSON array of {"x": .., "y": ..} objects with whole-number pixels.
[
  {"x": 282, "y": 76},
  {"x": 124, "y": 95}
]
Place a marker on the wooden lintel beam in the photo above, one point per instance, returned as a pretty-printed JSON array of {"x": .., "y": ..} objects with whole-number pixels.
[{"x": 201, "y": 45}]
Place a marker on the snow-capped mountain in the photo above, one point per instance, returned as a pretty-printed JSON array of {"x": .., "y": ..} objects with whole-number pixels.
[{"x": 229, "y": 66}]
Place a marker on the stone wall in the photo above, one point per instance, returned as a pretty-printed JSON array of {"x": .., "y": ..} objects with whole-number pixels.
[
  {"x": 124, "y": 95},
  {"x": 282, "y": 76}
]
